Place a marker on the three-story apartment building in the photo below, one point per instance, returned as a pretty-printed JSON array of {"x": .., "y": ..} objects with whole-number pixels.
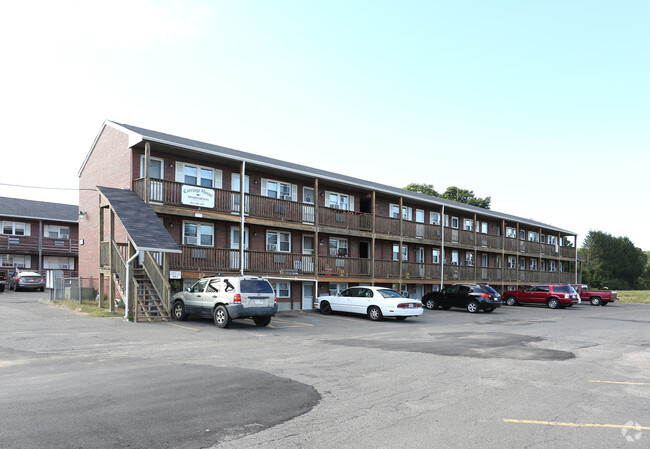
[
  {"x": 38, "y": 236},
  {"x": 307, "y": 230}
]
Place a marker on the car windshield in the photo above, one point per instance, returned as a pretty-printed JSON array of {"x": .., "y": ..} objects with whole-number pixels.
[
  {"x": 563, "y": 289},
  {"x": 388, "y": 293},
  {"x": 255, "y": 286}
]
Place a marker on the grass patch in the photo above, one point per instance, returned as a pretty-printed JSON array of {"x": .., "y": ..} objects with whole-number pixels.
[
  {"x": 634, "y": 296},
  {"x": 89, "y": 308}
]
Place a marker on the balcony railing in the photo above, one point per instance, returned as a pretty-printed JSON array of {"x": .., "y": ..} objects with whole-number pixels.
[
  {"x": 344, "y": 266},
  {"x": 415, "y": 270},
  {"x": 288, "y": 211},
  {"x": 21, "y": 243}
]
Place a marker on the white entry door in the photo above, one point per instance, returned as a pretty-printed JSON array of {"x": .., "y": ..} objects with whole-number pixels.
[
  {"x": 307, "y": 295},
  {"x": 308, "y": 208},
  {"x": 234, "y": 244},
  {"x": 308, "y": 251}
]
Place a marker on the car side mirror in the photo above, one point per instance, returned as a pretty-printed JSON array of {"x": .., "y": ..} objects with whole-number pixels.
[{"x": 188, "y": 289}]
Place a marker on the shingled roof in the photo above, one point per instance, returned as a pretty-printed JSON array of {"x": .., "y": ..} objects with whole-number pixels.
[
  {"x": 140, "y": 221},
  {"x": 38, "y": 210},
  {"x": 137, "y": 134}
]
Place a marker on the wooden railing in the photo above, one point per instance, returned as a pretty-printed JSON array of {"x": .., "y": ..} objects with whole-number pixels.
[
  {"x": 31, "y": 244},
  {"x": 386, "y": 225},
  {"x": 337, "y": 218},
  {"x": 387, "y": 269},
  {"x": 422, "y": 231},
  {"x": 415, "y": 270},
  {"x": 157, "y": 278},
  {"x": 343, "y": 266}
]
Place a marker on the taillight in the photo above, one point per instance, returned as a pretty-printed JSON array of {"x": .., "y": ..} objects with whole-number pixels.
[
  {"x": 402, "y": 305},
  {"x": 237, "y": 298},
  {"x": 18, "y": 279},
  {"x": 484, "y": 295}
]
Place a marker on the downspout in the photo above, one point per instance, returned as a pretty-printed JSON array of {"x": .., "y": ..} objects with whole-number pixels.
[
  {"x": 443, "y": 255},
  {"x": 242, "y": 201},
  {"x": 128, "y": 282}
]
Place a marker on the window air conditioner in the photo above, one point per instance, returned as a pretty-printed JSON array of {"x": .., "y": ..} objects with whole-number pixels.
[{"x": 271, "y": 247}]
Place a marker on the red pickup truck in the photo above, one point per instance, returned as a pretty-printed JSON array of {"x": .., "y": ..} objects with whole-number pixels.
[{"x": 595, "y": 297}]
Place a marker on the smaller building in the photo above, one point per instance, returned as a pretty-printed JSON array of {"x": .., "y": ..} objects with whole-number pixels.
[{"x": 38, "y": 236}]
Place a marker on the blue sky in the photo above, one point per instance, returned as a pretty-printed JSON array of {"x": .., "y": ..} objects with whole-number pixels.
[{"x": 544, "y": 106}]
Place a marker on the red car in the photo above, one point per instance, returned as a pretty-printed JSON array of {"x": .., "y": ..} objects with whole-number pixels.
[{"x": 556, "y": 296}]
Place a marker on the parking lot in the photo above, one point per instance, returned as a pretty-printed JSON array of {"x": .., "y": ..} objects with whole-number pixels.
[{"x": 519, "y": 377}]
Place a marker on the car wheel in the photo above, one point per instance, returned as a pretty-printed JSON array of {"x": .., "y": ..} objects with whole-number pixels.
[
  {"x": 472, "y": 307},
  {"x": 262, "y": 321},
  {"x": 400, "y": 318},
  {"x": 374, "y": 313},
  {"x": 325, "y": 308},
  {"x": 511, "y": 301},
  {"x": 430, "y": 304},
  {"x": 221, "y": 317},
  {"x": 553, "y": 303},
  {"x": 489, "y": 310},
  {"x": 179, "y": 312},
  {"x": 595, "y": 301}
]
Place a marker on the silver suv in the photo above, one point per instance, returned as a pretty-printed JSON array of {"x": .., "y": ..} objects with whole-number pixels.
[{"x": 225, "y": 298}]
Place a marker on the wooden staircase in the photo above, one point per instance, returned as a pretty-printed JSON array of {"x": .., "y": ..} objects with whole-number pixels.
[{"x": 149, "y": 306}]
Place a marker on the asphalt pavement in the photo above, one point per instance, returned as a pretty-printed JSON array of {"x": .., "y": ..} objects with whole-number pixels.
[{"x": 518, "y": 377}]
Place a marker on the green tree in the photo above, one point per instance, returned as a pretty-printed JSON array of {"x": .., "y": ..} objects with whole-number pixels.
[
  {"x": 427, "y": 189},
  {"x": 452, "y": 193},
  {"x": 612, "y": 262}
]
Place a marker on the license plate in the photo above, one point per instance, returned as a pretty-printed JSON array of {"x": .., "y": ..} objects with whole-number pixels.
[
  {"x": 259, "y": 301},
  {"x": 411, "y": 306}
]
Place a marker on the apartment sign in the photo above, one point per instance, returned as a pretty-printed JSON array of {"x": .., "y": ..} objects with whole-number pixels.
[{"x": 197, "y": 196}]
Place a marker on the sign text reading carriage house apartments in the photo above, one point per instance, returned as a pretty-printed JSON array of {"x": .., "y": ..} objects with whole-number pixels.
[{"x": 197, "y": 196}]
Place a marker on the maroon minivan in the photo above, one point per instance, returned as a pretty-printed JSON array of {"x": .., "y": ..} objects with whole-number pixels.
[{"x": 556, "y": 296}]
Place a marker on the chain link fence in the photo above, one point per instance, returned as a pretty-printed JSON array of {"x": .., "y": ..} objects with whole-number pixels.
[{"x": 78, "y": 289}]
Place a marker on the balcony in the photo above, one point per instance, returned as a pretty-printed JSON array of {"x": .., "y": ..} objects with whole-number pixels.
[{"x": 30, "y": 245}]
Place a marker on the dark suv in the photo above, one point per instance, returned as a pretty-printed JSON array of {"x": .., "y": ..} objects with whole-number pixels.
[
  {"x": 556, "y": 296},
  {"x": 473, "y": 297}
]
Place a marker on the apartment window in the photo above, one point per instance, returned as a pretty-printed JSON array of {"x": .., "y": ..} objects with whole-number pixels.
[
  {"x": 436, "y": 256},
  {"x": 276, "y": 189},
  {"x": 551, "y": 265},
  {"x": 484, "y": 227},
  {"x": 13, "y": 260},
  {"x": 522, "y": 235},
  {"x": 533, "y": 264},
  {"x": 339, "y": 201},
  {"x": 454, "y": 258},
  {"x": 542, "y": 265},
  {"x": 198, "y": 175},
  {"x": 58, "y": 263},
  {"x": 469, "y": 259},
  {"x": 57, "y": 232},
  {"x": 407, "y": 212},
  {"x": 396, "y": 252},
  {"x": 198, "y": 234},
  {"x": 336, "y": 287},
  {"x": 543, "y": 238},
  {"x": 468, "y": 224},
  {"x": 281, "y": 289},
  {"x": 446, "y": 218},
  {"x": 338, "y": 247},
  {"x": 278, "y": 241},
  {"x": 419, "y": 216},
  {"x": 435, "y": 218},
  {"x": 455, "y": 222},
  {"x": 484, "y": 260},
  {"x": 512, "y": 262},
  {"x": 522, "y": 264},
  {"x": 552, "y": 240},
  {"x": 15, "y": 228},
  {"x": 533, "y": 236},
  {"x": 511, "y": 233}
]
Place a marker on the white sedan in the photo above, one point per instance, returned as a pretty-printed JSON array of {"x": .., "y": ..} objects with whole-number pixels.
[{"x": 375, "y": 302}]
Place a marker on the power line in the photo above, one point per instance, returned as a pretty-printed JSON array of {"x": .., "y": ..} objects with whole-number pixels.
[{"x": 44, "y": 188}]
